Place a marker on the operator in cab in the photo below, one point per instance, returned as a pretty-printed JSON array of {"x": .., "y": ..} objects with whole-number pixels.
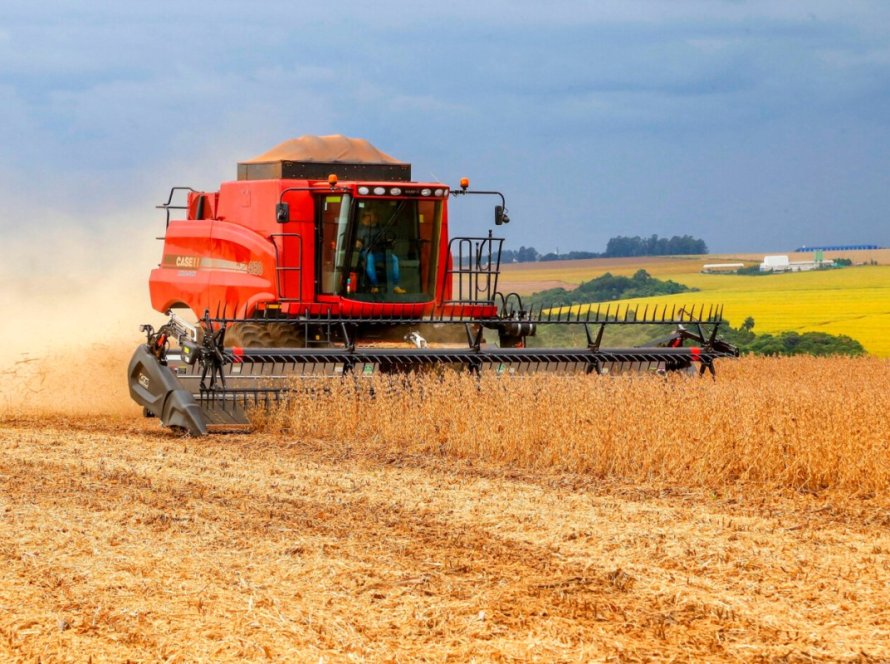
[{"x": 372, "y": 243}]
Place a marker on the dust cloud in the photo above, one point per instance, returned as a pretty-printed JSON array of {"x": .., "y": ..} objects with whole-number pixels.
[{"x": 72, "y": 298}]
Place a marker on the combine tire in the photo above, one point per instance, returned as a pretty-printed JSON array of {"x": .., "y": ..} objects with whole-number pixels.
[{"x": 264, "y": 335}]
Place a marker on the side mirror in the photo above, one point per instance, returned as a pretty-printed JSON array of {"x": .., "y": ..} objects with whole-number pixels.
[
  {"x": 282, "y": 213},
  {"x": 500, "y": 215}
]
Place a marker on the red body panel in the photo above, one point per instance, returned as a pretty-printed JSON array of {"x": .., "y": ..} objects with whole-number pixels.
[
  {"x": 231, "y": 255},
  {"x": 211, "y": 263}
]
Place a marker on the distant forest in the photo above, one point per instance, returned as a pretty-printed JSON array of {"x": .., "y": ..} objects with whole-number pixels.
[
  {"x": 617, "y": 247},
  {"x": 606, "y": 288}
]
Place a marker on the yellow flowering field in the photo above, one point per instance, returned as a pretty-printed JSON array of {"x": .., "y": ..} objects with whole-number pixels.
[{"x": 854, "y": 301}]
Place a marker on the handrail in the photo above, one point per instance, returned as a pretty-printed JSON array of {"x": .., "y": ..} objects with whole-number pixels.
[
  {"x": 280, "y": 268},
  {"x": 167, "y": 206},
  {"x": 476, "y": 263}
]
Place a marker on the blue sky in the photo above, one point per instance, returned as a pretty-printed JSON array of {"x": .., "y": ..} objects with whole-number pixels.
[{"x": 754, "y": 125}]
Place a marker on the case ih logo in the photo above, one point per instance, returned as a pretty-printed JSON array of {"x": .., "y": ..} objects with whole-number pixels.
[
  {"x": 206, "y": 263},
  {"x": 182, "y": 262},
  {"x": 143, "y": 380},
  {"x": 191, "y": 262}
]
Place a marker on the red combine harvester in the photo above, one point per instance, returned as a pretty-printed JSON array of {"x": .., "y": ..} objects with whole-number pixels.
[{"x": 324, "y": 258}]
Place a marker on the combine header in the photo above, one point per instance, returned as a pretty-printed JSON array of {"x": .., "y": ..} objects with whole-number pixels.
[{"x": 324, "y": 259}]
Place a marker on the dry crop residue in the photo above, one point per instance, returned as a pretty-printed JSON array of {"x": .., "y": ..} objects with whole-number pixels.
[{"x": 120, "y": 540}]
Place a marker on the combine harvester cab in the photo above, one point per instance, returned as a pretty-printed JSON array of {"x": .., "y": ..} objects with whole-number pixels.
[{"x": 325, "y": 259}]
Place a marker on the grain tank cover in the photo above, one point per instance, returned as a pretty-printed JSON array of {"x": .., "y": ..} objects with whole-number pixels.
[{"x": 316, "y": 157}]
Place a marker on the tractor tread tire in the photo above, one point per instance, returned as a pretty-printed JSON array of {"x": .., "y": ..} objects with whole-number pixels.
[{"x": 264, "y": 335}]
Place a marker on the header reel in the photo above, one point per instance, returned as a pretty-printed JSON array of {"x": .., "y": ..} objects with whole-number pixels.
[{"x": 202, "y": 383}]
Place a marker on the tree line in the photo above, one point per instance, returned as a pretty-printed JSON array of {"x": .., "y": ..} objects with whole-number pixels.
[
  {"x": 789, "y": 343},
  {"x": 617, "y": 247},
  {"x": 607, "y": 288}
]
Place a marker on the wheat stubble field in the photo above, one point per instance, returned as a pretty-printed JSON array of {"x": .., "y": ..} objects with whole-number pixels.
[{"x": 622, "y": 519}]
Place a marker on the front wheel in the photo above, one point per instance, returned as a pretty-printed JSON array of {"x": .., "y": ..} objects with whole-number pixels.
[{"x": 265, "y": 335}]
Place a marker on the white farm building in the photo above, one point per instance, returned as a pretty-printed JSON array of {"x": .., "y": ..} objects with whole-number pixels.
[{"x": 782, "y": 264}]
